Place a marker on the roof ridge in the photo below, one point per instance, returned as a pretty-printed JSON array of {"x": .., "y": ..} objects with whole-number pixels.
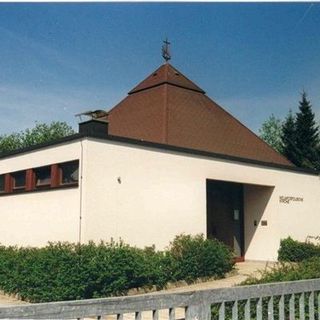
[
  {"x": 166, "y": 68},
  {"x": 162, "y": 83},
  {"x": 166, "y": 73}
]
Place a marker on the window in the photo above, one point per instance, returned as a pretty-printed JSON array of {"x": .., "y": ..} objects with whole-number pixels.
[
  {"x": 53, "y": 176},
  {"x": 19, "y": 180},
  {"x": 2, "y": 183},
  {"x": 69, "y": 172},
  {"x": 43, "y": 177}
]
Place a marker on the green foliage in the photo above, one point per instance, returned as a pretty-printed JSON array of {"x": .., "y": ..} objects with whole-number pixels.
[
  {"x": 297, "y": 137},
  {"x": 288, "y": 137},
  {"x": 295, "y": 251},
  {"x": 65, "y": 271},
  {"x": 285, "y": 271},
  {"x": 300, "y": 137},
  {"x": 41, "y": 133},
  {"x": 307, "y": 136},
  {"x": 271, "y": 131},
  {"x": 300, "y": 261},
  {"x": 196, "y": 257}
]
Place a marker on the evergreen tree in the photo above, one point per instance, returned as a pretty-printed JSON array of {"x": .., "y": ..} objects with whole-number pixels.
[
  {"x": 297, "y": 138},
  {"x": 306, "y": 135},
  {"x": 288, "y": 137}
]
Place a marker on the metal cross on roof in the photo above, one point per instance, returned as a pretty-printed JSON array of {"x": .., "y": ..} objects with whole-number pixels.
[{"x": 165, "y": 50}]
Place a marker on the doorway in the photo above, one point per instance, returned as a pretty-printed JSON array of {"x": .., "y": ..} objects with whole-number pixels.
[{"x": 225, "y": 214}]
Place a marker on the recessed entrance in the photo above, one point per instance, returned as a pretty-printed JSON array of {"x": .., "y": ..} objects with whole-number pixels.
[{"x": 225, "y": 214}]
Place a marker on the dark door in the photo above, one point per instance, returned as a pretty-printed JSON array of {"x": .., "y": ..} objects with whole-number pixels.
[{"x": 225, "y": 213}]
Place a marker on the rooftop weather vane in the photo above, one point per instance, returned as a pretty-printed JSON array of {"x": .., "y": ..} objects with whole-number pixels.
[{"x": 165, "y": 50}]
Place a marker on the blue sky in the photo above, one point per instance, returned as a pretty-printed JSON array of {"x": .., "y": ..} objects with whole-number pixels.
[{"x": 59, "y": 59}]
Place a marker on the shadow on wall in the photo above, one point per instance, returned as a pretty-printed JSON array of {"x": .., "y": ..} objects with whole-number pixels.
[{"x": 256, "y": 199}]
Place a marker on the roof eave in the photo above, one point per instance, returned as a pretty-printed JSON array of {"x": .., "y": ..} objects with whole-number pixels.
[{"x": 160, "y": 146}]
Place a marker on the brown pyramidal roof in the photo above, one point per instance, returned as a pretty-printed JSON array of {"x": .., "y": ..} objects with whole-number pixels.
[
  {"x": 166, "y": 74},
  {"x": 168, "y": 108}
]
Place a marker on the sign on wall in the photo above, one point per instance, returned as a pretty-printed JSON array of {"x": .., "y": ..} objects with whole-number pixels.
[{"x": 288, "y": 199}]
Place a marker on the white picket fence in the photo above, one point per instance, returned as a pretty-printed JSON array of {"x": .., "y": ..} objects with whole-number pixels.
[{"x": 286, "y": 300}]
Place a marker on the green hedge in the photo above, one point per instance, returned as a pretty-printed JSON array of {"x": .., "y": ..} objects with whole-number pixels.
[
  {"x": 295, "y": 251},
  {"x": 298, "y": 261},
  {"x": 287, "y": 271},
  {"x": 195, "y": 257},
  {"x": 65, "y": 271}
]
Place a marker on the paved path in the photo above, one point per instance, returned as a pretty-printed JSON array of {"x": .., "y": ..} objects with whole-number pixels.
[
  {"x": 242, "y": 272},
  {"x": 6, "y": 300}
]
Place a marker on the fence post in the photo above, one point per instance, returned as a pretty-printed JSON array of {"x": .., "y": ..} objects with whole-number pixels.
[{"x": 198, "y": 312}]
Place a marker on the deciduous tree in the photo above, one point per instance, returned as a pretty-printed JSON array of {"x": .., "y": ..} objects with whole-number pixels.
[
  {"x": 271, "y": 131},
  {"x": 40, "y": 133}
]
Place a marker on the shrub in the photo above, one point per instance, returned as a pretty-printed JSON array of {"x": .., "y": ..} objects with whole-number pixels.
[
  {"x": 195, "y": 257},
  {"x": 295, "y": 251},
  {"x": 67, "y": 271},
  {"x": 288, "y": 271},
  {"x": 298, "y": 261}
]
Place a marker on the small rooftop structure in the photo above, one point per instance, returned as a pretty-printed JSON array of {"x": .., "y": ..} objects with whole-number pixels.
[{"x": 93, "y": 114}]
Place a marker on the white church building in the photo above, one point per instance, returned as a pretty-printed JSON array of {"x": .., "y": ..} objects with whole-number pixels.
[{"x": 166, "y": 160}]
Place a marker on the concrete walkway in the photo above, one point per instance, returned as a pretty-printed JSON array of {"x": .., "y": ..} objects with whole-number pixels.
[
  {"x": 6, "y": 300},
  {"x": 243, "y": 270}
]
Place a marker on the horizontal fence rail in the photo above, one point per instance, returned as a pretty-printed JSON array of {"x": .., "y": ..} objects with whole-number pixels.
[{"x": 285, "y": 300}]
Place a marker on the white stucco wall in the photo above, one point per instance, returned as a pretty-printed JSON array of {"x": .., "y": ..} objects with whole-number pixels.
[
  {"x": 34, "y": 218},
  {"x": 296, "y": 219},
  {"x": 148, "y": 196},
  {"x": 163, "y": 194}
]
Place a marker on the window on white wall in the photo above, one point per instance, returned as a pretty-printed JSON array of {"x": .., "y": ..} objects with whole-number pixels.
[
  {"x": 2, "y": 183},
  {"x": 48, "y": 177},
  {"x": 19, "y": 180},
  {"x": 43, "y": 176},
  {"x": 69, "y": 172}
]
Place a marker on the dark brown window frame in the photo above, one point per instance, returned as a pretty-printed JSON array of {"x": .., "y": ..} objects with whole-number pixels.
[
  {"x": 4, "y": 183},
  {"x": 13, "y": 179},
  {"x": 30, "y": 185},
  {"x": 61, "y": 173},
  {"x": 42, "y": 185}
]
